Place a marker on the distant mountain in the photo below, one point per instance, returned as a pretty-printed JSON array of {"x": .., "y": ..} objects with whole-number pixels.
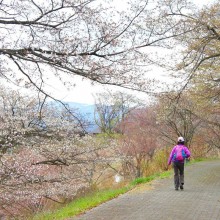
[
  {"x": 87, "y": 111},
  {"x": 84, "y": 109}
]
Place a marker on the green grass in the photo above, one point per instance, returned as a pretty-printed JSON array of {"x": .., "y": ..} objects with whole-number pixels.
[
  {"x": 202, "y": 160},
  {"x": 150, "y": 178},
  {"x": 82, "y": 204},
  {"x": 198, "y": 160}
]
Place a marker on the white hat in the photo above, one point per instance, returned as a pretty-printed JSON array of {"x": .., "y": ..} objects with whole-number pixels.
[{"x": 180, "y": 139}]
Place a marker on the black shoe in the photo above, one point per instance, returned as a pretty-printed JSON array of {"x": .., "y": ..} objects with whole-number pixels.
[{"x": 181, "y": 187}]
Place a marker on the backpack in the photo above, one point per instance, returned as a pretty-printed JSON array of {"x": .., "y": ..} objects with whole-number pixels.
[{"x": 179, "y": 155}]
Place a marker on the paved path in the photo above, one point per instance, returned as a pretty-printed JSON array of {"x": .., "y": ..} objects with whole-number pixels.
[{"x": 200, "y": 199}]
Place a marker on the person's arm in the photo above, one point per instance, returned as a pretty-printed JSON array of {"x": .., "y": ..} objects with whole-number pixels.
[
  {"x": 187, "y": 152},
  {"x": 171, "y": 156}
]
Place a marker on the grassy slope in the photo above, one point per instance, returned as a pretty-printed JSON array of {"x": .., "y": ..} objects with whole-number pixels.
[{"x": 82, "y": 204}]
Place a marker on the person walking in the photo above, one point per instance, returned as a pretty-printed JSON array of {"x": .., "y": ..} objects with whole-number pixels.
[{"x": 177, "y": 157}]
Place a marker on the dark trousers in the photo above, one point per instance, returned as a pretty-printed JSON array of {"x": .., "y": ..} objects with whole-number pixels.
[{"x": 178, "y": 174}]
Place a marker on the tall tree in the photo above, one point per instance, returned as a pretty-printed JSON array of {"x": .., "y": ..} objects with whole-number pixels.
[
  {"x": 139, "y": 141},
  {"x": 178, "y": 117},
  {"x": 196, "y": 38},
  {"x": 192, "y": 55},
  {"x": 111, "y": 109}
]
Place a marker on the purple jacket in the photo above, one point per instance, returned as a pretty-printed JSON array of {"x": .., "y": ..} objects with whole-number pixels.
[{"x": 171, "y": 158}]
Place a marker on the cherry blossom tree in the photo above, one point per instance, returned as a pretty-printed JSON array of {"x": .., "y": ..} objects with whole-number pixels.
[
  {"x": 90, "y": 38},
  {"x": 43, "y": 154},
  {"x": 52, "y": 170},
  {"x": 140, "y": 140}
]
